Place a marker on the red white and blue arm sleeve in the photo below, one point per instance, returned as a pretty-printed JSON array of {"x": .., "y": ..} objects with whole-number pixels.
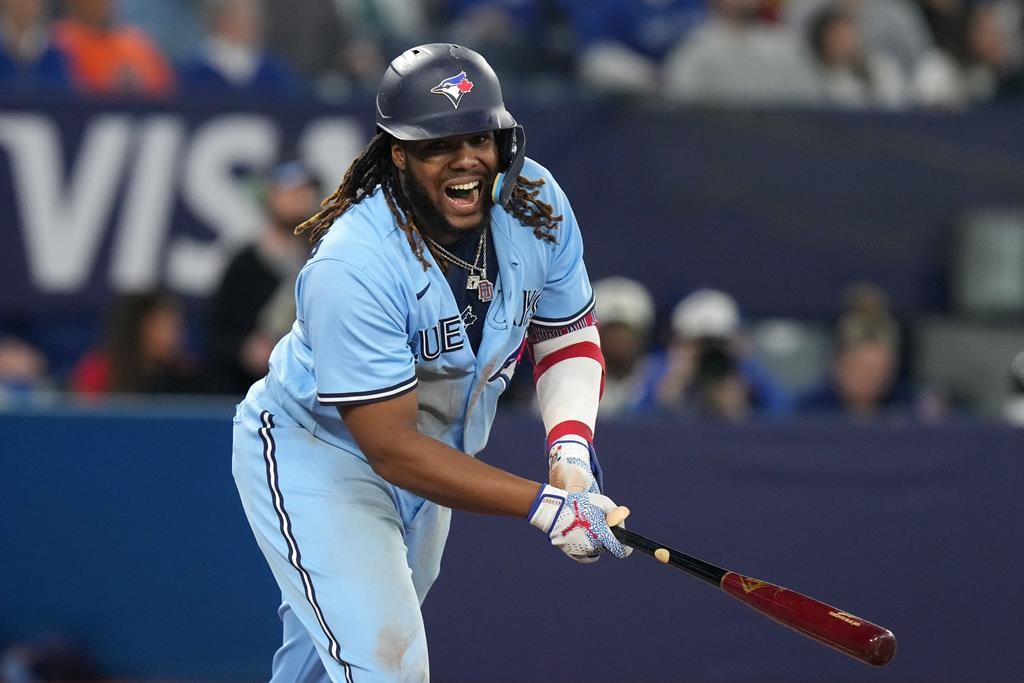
[
  {"x": 566, "y": 353},
  {"x": 569, "y": 376}
]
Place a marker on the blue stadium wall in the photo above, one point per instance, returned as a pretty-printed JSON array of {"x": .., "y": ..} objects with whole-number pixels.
[
  {"x": 121, "y": 527},
  {"x": 781, "y": 208}
]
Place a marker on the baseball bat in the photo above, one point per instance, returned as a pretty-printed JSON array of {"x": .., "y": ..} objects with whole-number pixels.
[{"x": 833, "y": 627}]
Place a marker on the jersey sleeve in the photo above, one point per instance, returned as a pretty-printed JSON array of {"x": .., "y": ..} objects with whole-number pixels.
[
  {"x": 356, "y": 329},
  {"x": 567, "y": 297}
]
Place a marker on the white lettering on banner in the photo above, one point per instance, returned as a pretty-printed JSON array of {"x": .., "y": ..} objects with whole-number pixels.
[
  {"x": 62, "y": 227},
  {"x": 127, "y": 178},
  {"x": 328, "y": 146},
  {"x": 146, "y": 215},
  {"x": 225, "y": 203}
]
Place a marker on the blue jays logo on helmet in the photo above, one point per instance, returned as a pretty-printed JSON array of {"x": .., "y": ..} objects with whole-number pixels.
[{"x": 454, "y": 88}]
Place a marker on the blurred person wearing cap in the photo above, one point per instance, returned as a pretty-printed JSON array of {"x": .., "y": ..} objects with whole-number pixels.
[
  {"x": 706, "y": 372},
  {"x": 625, "y": 315},
  {"x": 245, "y": 312},
  {"x": 863, "y": 376}
]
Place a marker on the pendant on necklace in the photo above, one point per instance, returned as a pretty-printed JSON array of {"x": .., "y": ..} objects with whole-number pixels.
[
  {"x": 472, "y": 281},
  {"x": 485, "y": 290}
]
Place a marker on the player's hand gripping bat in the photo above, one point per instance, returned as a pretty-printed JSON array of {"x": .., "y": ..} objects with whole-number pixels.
[{"x": 841, "y": 630}]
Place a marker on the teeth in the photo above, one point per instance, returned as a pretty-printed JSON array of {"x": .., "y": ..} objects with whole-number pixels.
[{"x": 466, "y": 186}]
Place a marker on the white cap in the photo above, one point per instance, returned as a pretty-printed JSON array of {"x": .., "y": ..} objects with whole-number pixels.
[
  {"x": 706, "y": 313},
  {"x": 623, "y": 300}
]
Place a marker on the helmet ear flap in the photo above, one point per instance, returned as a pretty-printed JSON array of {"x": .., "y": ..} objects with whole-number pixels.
[{"x": 511, "y": 156}]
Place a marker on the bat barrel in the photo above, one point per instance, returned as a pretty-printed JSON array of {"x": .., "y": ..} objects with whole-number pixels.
[{"x": 828, "y": 625}]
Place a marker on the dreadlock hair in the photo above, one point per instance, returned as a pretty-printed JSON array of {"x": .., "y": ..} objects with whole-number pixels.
[{"x": 373, "y": 167}]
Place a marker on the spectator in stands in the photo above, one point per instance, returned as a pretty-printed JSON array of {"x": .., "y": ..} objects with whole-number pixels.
[
  {"x": 144, "y": 351},
  {"x": 394, "y": 24},
  {"x": 977, "y": 67},
  {"x": 233, "y": 57},
  {"x": 379, "y": 30},
  {"x": 625, "y": 315},
  {"x": 891, "y": 27},
  {"x": 947, "y": 22},
  {"x": 242, "y": 329},
  {"x": 321, "y": 56},
  {"x": 1013, "y": 405},
  {"x": 347, "y": 44},
  {"x": 863, "y": 380},
  {"x": 734, "y": 58},
  {"x": 517, "y": 34},
  {"x": 109, "y": 58},
  {"x": 1010, "y": 87},
  {"x": 849, "y": 76},
  {"x": 174, "y": 26},
  {"x": 28, "y": 57},
  {"x": 23, "y": 369},
  {"x": 622, "y": 44},
  {"x": 706, "y": 372}
]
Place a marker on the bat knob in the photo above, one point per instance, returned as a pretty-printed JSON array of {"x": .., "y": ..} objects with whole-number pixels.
[{"x": 617, "y": 516}]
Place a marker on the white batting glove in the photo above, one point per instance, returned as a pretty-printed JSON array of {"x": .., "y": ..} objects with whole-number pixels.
[
  {"x": 577, "y": 523},
  {"x": 571, "y": 467}
]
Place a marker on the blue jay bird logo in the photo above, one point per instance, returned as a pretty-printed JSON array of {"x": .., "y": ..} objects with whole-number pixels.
[{"x": 454, "y": 88}]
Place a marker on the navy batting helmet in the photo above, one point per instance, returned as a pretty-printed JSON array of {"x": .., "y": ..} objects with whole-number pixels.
[{"x": 437, "y": 90}]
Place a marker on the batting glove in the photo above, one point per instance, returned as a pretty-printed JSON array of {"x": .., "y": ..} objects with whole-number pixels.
[
  {"x": 573, "y": 465},
  {"x": 577, "y": 523}
]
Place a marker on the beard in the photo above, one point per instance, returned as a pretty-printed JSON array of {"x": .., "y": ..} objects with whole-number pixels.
[{"x": 431, "y": 221}]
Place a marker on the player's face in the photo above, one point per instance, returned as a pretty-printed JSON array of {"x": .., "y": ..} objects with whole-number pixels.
[{"x": 453, "y": 174}]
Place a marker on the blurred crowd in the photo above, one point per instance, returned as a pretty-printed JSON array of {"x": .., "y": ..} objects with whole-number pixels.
[
  {"x": 702, "y": 360},
  {"x": 714, "y": 366},
  {"x": 888, "y": 54}
]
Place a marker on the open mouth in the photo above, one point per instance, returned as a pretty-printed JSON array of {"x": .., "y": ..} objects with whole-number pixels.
[{"x": 464, "y": 194}]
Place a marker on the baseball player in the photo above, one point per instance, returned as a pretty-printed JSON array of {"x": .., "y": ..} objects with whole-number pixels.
[{"x": 444, "y": 255}]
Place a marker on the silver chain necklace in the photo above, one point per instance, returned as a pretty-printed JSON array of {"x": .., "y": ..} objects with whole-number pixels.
[{"x": 476, "y": 280}]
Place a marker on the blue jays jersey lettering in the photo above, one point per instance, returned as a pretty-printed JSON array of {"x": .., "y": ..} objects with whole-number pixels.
[{"x": 528, "y": 306}]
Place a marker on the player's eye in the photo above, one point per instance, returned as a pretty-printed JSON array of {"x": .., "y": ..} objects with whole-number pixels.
[{"x": 435, "y": 147}]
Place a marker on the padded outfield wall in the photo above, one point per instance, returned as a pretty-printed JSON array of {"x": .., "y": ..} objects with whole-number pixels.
[{"x": 122, "y": 527}]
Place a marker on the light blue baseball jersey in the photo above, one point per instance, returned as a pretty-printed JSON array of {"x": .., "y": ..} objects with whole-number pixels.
[{"x": 372, "y": 324}]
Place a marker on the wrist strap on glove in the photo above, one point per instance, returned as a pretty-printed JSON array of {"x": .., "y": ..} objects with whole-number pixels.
[
  {"x": 546, "y": 507},
  {"x": 576, "y": 445}
]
